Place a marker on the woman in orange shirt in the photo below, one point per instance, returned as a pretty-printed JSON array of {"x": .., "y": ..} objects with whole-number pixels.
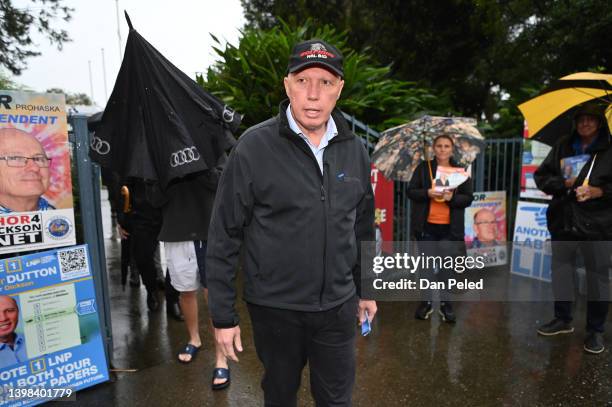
[{"x": 436, "y": 217}]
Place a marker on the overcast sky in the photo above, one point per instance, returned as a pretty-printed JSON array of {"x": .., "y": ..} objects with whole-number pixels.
[{"x": 179, "y": 29}]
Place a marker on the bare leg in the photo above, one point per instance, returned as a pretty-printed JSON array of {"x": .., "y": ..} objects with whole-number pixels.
[{"x": 189, "y": 306}]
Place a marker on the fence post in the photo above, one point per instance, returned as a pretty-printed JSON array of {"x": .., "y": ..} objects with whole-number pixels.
[
  {"x": 89, "y": 200},
  {"x": 480, "y": 171}
]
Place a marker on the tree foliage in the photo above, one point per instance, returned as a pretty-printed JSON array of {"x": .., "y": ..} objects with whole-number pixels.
[
  {"x": 6, "y": 82},
  {"x": 249, "y": 77},
  {"x": 483, "y": 54},
  {"x": 17, "y": 24},
  {"x": 73, "y": 98}
]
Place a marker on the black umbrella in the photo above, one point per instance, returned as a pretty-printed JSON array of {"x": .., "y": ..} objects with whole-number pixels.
[{"x": 159, "y": 124}]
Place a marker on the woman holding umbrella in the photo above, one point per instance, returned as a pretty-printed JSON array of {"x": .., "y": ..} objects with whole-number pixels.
[{"x": 438, "y": 216}]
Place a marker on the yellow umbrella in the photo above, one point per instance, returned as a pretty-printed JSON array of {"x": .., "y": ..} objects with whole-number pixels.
[{"x": 549, "y": 115}]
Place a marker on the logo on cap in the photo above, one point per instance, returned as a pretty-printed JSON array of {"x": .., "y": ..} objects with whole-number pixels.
[{"x": 317, "y": 50}]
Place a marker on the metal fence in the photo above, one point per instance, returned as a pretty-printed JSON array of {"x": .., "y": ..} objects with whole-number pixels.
[
  {"x": 497, "y": 168},
  {"x": 88, "y": 216}
]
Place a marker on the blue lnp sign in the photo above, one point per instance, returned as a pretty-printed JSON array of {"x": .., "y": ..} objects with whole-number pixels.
[{"x": 50, "y": 330}]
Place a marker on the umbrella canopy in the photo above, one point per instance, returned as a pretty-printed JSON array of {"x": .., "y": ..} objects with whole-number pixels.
[
  {"x": 401, "y": 149},
  {"x": 549, "y": 115},
  {"x": 159, "y": 124}
]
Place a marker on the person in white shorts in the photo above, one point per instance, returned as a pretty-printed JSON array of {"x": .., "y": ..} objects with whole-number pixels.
[{"x": 186, "y": 213}]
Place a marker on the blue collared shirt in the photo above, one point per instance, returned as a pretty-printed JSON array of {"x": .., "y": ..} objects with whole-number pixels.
[
  {"x": 13, "y": 356},
  {"x": 43, "y": 205},
  {"x": 330, "y": 133}
]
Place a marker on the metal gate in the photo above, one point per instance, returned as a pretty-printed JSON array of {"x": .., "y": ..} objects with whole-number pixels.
[{"x": 497, "y": 168}]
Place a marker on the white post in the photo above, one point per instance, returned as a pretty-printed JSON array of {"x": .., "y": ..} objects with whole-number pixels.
[
  {"x": 118, "y": 31},
  {"x": 104, "y": 76}
]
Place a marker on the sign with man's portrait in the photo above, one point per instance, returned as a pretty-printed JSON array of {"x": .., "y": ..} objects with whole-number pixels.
[
  {"x": 485, "y": 227},
  {"x": 50, "y": 334},
  {"x": 36, "y": 208}
]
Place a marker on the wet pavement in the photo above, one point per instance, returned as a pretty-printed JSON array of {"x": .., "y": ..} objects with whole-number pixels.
[{"x": 491, "y": 357}]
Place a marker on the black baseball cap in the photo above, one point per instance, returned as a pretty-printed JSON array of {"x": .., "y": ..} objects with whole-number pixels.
[
  {"x": 589, "y": 109},
  {"x": 316, "y": 52}
]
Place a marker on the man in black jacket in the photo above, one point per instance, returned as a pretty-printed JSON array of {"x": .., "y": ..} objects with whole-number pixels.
[
  {"x": 580, "y": 217},
  {"x": 296, "y": 194}
]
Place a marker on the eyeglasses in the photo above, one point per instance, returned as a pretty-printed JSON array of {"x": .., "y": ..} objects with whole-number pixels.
[
  {"x": 18, "y": 161},
  {"x": 493, "y": 222}
]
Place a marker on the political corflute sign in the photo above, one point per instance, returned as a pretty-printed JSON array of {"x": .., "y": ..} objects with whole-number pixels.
[
  {"x": 36, "y": 208},
  {"x": 50, "y": 333}
]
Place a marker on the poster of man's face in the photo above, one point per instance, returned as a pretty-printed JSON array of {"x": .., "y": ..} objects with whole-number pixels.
[
  {"x": 485, "y": 226},
  {"x": 9, "y": 318},
  {"x": 24, "y": 170},
  {"x": 36, "y": 206},
  {"x": 485, "y": 219}
]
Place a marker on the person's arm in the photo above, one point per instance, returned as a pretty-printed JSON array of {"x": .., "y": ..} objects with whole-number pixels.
[
  {"x": 364, "y": 220},
  {"x": 231, "y": 214},
  {"x": 463, "y": 196},
  {"x": 548, "y": 176},
  {"x": 417, "y": 190},
  {"x": 603, "y": 188},
  {"x": 364, "y": 232}
]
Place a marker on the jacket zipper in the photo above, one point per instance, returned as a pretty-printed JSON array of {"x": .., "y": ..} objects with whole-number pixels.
[{"x": 324, "y": 200}]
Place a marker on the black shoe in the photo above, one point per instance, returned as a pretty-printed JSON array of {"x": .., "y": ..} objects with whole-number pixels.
[
  {"x": 556, "y": 327},
  {"x": 594, "y": 342},
  {"x": 152, "y": 301},
  {"x": 424, "y": 310},
  {"x": 447, "y": 313},
  {"x": 174, "y": 310}
]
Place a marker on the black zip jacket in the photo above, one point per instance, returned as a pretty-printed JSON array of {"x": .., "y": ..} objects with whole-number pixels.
[
  {"x": 300, "y": 230},
  {"x": 417, "y": 192},
  {"x": 563, "y": 209}
]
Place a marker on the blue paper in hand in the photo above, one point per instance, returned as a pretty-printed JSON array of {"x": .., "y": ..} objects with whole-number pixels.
[{"x": 366, "y": 328}]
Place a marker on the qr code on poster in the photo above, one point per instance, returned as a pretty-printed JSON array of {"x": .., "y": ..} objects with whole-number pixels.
[{"x": 73, "y": 263}]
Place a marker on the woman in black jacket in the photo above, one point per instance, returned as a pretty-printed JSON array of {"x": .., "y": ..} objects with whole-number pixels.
[{"x": 438, "y": 217}]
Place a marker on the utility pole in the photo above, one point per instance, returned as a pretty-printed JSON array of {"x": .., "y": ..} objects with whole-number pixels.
[
  {"x": 118, "y": 30},
  {"x": 91, "y": 92},
  {"x": 104, "y": 76}
]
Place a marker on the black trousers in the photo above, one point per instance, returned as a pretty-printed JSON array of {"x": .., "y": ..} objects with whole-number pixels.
[
  {"x": 436, "y": 241},
  {"x": 285, "y": 340},
  {"x": 597, "y": 264},
  {"x": 143, "y": 243}
]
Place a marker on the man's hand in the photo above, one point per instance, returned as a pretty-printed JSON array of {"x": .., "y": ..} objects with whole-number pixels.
[
  {"x": 370, "y": 306},
  {"x": 122, "y": 232},
  {"x": 447, "y": 195},
  {"x": 586, "y": 192},
  {"x": 226, "y": 339}
]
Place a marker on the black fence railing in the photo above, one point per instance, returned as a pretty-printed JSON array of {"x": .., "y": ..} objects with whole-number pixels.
[{"x": 497, "y": 168}]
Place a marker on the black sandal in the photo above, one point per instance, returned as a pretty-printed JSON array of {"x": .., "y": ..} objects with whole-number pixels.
[
  {"x": 190, "y": 350},
  {"x": 220, "y": 373}
]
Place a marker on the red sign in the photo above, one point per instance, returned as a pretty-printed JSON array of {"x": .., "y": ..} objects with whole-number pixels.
[{"x": 383, "y": 200}]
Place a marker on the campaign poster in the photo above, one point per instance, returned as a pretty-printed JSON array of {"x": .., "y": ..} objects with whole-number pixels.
[
  {"x": 383, "y": 201},
  {"x": 534, "y": 153},
  {"x": 449, "y": 178},
  {"x": 50, "y": 336},
  {"x": 485, "y": 227},
  {"x": 531, "y": 252},
  {"x": 36, "y": 208}
]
